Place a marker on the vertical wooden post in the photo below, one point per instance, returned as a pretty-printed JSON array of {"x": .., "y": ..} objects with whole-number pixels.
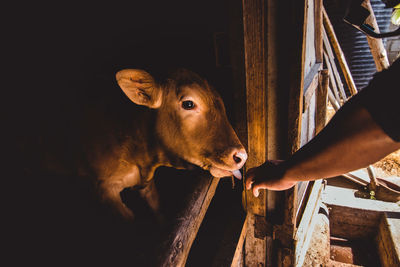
[
  {"x": 295, "y": 111},
  {"x": 375, "y": 44},
  {"x": 276, "y": 93},
  {"x": 318, "y": 17},
  {"x": 296, "y": 78},
  {"x": 322, "y": 100},
  {"x": 255, "y": 64},
  {"x": 274, "y": 81}
]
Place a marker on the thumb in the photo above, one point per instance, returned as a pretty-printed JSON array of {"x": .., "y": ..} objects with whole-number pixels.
[
  {"x": 250, "y": 176},
  {"x": 256, "y": 188}
]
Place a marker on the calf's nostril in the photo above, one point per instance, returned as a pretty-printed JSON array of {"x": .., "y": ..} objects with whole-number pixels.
[{"x": 237, "y": 159}]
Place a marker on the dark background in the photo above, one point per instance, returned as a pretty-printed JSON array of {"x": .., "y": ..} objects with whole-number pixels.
[{"x": 56, "y": 52}]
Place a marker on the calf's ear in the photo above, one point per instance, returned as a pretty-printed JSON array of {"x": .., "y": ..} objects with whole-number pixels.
[{"x": 140, "y": 87}]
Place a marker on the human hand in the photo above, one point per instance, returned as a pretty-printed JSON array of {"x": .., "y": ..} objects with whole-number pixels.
[{"x": 269, "y": 175}]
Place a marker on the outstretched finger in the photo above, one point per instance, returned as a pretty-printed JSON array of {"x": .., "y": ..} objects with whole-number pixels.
[
  {"x": 256, "y": 186},
  {"x": 256, "y": 191},
  {"x": 250, "y": 175}
]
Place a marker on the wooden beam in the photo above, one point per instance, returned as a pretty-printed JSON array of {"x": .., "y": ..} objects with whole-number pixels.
[
  {"x": 175, "y": 249},
  {"x": 255, "y": 63},
  {"x": 352, "y": 223},
  {"x": 311, "y": 84},
  {"x": 322, "y": 101},
  {"x": 376, "y": 46},
  {"x": 333, "y": 69},
  {"x": 332, "y": 99},
  {"x": 276, "y": 114},
  {"x": 275, "y": 143},
  {"x": 254, "y": 29},
  {"x": 339, "y": 53},
  {"x": 307, "y": 222},
  {"x": 352, "y": 217},
  {"x": 237, "y": 260},
  {"x": 298, "y": 13},
  {"x": 332, "y": 80},
  {"x": 388, "y": 239},
  {"x": 296, "y": 75},
  {"x": 318, "y": 7}
]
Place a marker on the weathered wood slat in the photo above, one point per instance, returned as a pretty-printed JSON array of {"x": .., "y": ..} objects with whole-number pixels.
[
  {"x": 339, "y": 54},
  {"x": 311, "y": 84},
  {"x": 306, "y": 226},
  {"x": 388, "y": 239},
  {"x": 332, "y": 80},
  {"x": 295, "y": 111},
  {"x": 255, "y": 63},
  {"x": 318, "y": 20},
  {"x": 332, "y": 99},
  {"x": 237, "y": 260},
  {"x": 304, "y": 188},
  {"x": 376, "y": 46},
  {"x": 254, "y": 23},
  {"x": 296, "y": 76},
  {"x": 175, "y": 249},
  {"x": 334, "y": 70},
  {"x": 262, "y": 72},
  {"x": 322, "y": 99},
  {"x": 352, "y": 223}
]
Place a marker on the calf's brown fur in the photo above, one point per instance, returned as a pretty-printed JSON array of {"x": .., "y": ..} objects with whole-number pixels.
[{"x": 178, "y": 122}]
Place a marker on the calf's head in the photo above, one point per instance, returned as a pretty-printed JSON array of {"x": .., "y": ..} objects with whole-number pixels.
[{"x": 191, "y": 119}]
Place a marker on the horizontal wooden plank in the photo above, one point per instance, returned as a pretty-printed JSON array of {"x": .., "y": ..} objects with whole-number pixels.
[
  {"x": 352, "y": 223},
  {"x": 352, "y": 217}
]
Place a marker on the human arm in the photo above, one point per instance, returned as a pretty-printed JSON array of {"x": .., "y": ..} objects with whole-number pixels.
[{"x": 352, "y": 139}]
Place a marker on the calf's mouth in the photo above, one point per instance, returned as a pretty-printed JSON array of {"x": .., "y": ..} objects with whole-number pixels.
[{"x": 217, "y": 172}]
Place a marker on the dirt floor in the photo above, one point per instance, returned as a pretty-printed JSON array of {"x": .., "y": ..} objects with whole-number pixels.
[{"x": 389, "y": 166}]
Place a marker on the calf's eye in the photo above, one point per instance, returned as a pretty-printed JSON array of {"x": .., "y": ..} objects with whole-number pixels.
[{"x": 188, "y": 104}]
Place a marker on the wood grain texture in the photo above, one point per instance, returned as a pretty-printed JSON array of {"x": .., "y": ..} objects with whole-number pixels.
[
  {"x": 237, "y": 260},
  {"x": 254, "y": 23},
  {"x": 296, "y": 94},
  {"x": 284, "y": 233},
  {"x": 318, "y": 22},
  {"x": 388, "y": 239},
  {"x": 376, "y": 46},
  {"x": 322, "y": 101},
  {"x": 296, "y": 75},
  {"x": 339, "y": 53},
  {"x": 333, "y": 69},
  {"x": 311, "y": 84},
  {"x": 175, "y": 249},
  {"x": 352, "y": 223},
  {"x": 255, "y": 64},
  {"x": 307, "y": 223},
  {"x": 334, "y": 89}
]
